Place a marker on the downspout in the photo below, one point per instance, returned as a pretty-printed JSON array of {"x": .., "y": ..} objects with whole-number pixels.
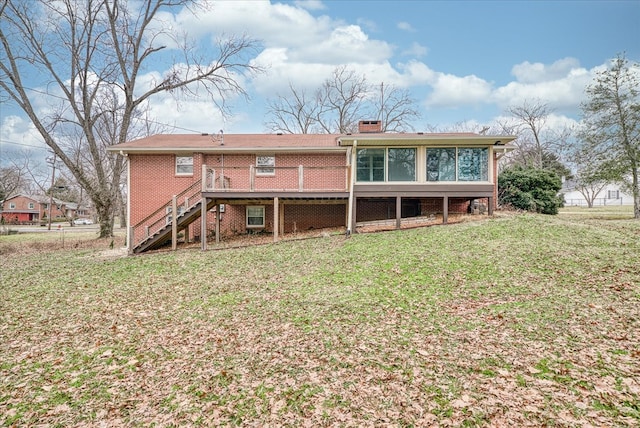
[
  {"x": 130, "y": 232},
  {"x": 351, "y": 182}
]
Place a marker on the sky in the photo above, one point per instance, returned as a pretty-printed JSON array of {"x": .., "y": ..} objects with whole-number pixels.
[{"x": 461, "y": 61}]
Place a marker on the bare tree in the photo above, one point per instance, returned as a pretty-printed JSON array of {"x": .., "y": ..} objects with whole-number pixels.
[
  {"x": 395, "y": 109},
  {"x": 611, "y": 132},
  {"x": 90, "y": 53},
  {"x": 534, "y": 138},
  {"x": 339, "y": 104},
  {"x": 342, "y": 99},
  {"x": 12, "y": 180},
  {"x": 295, "y": 114},
  {"x": 589, "y": 179}
]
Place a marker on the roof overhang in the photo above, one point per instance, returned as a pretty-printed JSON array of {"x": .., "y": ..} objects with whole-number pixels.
[
  {"x": 223, "y": 150},
  {"x": 426, "y": 140}
]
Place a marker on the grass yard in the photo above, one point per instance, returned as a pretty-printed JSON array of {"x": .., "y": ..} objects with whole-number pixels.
[{"x": 517, "y": 320}]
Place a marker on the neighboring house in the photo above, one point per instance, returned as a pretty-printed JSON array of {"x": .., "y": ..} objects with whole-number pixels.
[
  {"x": 25, "y": 209},
  {"x": 608, "y": 194},
  {"x": 20, "y": 209},
  {"x": 236, "y": 184}
]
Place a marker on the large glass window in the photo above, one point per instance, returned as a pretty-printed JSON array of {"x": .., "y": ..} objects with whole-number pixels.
[
  {"x": 441, "y": 164},
  {"x": 370, "y": 165},
  {"x": 473, "y": 164},
  {"x": 402, "y": 164}
]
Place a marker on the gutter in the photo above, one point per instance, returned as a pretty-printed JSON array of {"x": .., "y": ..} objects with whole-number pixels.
[{"x": 265, "y": 149}]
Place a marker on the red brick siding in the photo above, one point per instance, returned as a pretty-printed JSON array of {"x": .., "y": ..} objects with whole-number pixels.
[
  {"x": 154, "y": 182},
  {"x": 22, "y": 212},
  {"x": 383, "y": 209},
  {"x": 235, "y": 168},
  {"x": 368, "y": 126},
  {"x": 296, "y": 218},
  {"x": 307, "y": 217}
]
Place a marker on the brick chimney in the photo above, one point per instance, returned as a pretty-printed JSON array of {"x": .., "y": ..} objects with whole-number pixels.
[{"x": 369, "y": 126}]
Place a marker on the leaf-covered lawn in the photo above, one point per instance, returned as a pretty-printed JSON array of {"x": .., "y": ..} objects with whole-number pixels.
[{"x": 512, "y": 321}]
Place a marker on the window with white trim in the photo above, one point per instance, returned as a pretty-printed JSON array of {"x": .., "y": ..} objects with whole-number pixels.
[
  {"x": 31, "y": 205},
  {"x": 12, "y": 206},
  {"x": 473, "y": 164},
  {"x": 401, "y": 164},
  {"x": 613, "y": 194},
  {"x": 265, "y": 165},
  {"x": 441, "y": 164},
  {"x": 184, "y": 165},
  {"x": 391, "y": 164},
  {"x": 255, "y": 216},
  {"x": 458, "y": 164}
]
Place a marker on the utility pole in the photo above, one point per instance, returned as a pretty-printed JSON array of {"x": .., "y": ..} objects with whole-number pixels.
[{"x": 53, "y": 177}]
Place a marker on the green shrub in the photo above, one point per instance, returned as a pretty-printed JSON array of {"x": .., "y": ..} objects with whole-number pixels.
[{"x": 530, "y": 189}]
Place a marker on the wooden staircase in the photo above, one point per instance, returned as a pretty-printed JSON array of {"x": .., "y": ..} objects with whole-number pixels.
[
  {"x": 162, "y": 236},
  {"x": 155, "y": 230}
]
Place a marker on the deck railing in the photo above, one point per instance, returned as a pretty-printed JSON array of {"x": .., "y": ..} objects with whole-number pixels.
[
  {"x": 242, "y": 179},
  {"x": 276, "y": 179}
]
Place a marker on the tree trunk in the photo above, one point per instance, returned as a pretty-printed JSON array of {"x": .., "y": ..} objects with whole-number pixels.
[
  {"x": 105, "y": 215},
  {"x": 635, "y": 190}
]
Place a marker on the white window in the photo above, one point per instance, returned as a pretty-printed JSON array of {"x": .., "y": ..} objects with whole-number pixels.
[
  {"x": 265, "y": 165},
  {"x": 613, "y": 194},
  {"x": 12, "y": 206},
  {"x": 31, "y": 205},
  {"x": 255, "y": 216},
  {"x": 184, "y": 165}
]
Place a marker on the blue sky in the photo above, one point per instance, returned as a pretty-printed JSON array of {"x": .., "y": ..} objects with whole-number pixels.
[{"x": 463, "y": 61}]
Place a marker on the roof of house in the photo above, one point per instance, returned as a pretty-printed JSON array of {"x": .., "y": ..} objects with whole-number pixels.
[
  {"x": 174, "y": 143},
  {"x": 18, "y": 195},
  {"x": 228, "y": 142}
]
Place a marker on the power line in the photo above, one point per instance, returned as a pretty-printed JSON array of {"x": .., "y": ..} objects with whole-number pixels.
[
  {"x": 22, "y": 144},
  {"x": 147, "y": 120}
]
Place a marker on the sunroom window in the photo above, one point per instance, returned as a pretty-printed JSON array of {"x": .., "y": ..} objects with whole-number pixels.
[
  {"x": 461, "y": 164},
  {"x": 402, "y": 164},
  {"x": 371, "y": 165},
  {"x": 392, "y": 164},
  {"x": 473, "y": 164},
  {"x": 441, "y": 164}
]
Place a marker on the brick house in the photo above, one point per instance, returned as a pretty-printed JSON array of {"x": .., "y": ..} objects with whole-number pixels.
[
  {"x": 25, "y": 209},
  {"x": 221, "y": 185},
  {"x": 20, "y": 209}
]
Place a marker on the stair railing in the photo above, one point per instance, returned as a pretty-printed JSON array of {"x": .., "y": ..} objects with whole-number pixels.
[{"x": 163, "y": 216}]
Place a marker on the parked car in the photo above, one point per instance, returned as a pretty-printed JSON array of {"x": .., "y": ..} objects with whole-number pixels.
[{"x": 82, "y": 221}]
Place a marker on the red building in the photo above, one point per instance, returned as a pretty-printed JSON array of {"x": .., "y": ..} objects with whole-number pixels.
[
  {"x": 24, "y": 209},
  {"x": 20, "y": 209},
  {"x": 274, "y": 183}
]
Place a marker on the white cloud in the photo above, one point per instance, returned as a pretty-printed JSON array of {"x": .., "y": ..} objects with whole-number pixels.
[
  {"x": 455, "y": 91},
  {"x": 527, "y": 72},
  {"x": 416, "y": 50},
  {"x": 560, "y": 84},
  {"x": 18, "y": 136},
  {"x": 405, "y": 26},
  {"x": 310, "y": 4}
]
